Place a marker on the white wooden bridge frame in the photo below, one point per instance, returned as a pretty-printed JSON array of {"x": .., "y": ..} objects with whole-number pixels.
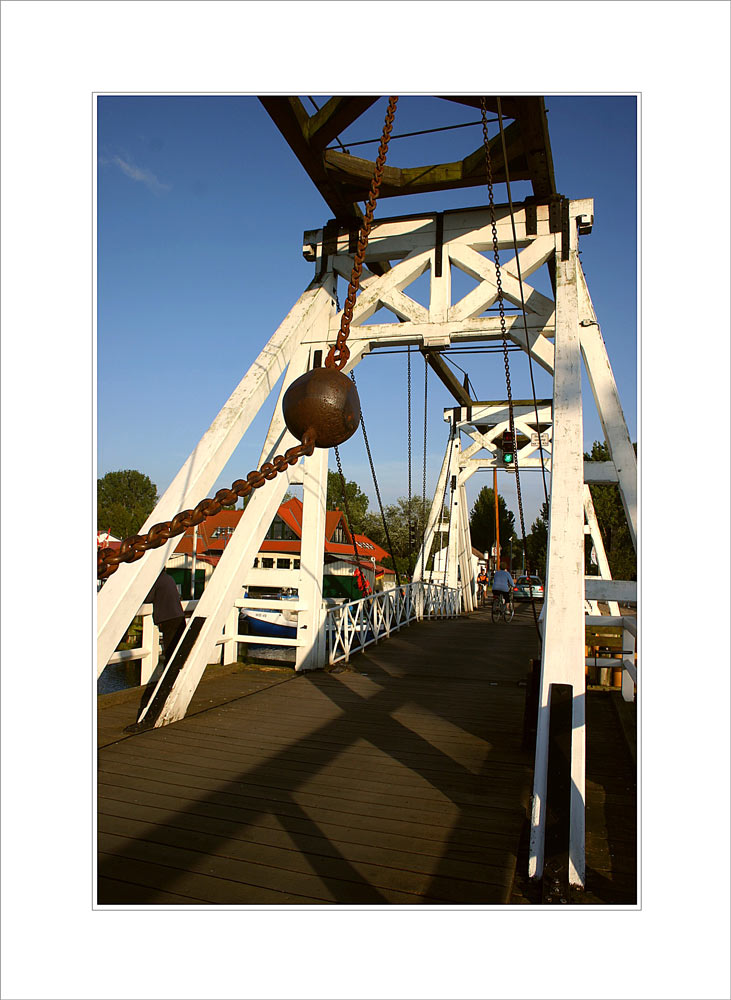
[{"x": 558, "y": 334}]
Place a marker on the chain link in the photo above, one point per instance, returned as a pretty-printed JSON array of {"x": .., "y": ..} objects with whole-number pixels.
[
  {"x": 339, "y": 353},
  {"x": 134, "y": 547},
  {"x": 503, "y": 331}
]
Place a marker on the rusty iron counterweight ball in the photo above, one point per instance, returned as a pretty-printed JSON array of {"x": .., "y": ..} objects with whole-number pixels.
[{"x": 325, "y": 400}]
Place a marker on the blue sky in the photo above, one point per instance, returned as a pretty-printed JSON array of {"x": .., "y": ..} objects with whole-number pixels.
[{"x": 201, "y": 210}]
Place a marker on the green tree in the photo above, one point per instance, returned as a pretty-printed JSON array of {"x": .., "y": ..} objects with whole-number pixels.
[
  {"x": 612, "y": 522},
  {"x": 357, "y": 500},
  {"x": 482, "y": 521},
  {"x": 400, "y": 516},
  {"x": 537, "y": 544},
  {"x": 124, "y": 501}
]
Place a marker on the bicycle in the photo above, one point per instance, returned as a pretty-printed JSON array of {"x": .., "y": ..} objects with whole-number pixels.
[
  {"x": 481, "y": 595},
  {"x": 502, "y": 608}
]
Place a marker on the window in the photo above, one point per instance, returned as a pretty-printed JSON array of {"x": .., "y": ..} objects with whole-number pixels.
[
  {"x": 282, "y": 563},
  {"x": 339, "y": 535},
  {"x": 223, "y": 531},
  {"x": 296, "y": 564},
  {"x": 256, "y": 563},
  {"x": 267, "y": 563},
  {"x": 279, "y": 531}
]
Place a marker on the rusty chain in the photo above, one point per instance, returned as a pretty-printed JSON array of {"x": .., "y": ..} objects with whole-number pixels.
[
  {"x": 135, "y": 546},
  {"x": 339, "y": 353},
  {"x": 503, "y": 331}
]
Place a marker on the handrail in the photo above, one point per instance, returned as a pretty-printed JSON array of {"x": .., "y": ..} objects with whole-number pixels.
[
  {"x": 349, "y": 626},
  {"x": 352, "y": 626}
]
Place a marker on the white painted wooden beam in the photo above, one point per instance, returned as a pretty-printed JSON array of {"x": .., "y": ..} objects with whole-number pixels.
[
  {"x": 627, "y": 622},
  {"x": 611, "y": 590},
  {"x": 311, "y": 621},
  {"x": 447, "y": 469},
  {"x": 604, "y": 388},
  {"x": 123, "y": 592},
  {"x": 222, "y": 590},
  {"x": 596, "y": 537},
  {"x": 483, "y": 270},
  {"x": 480, "y": 328},
  {"x": 396, "y": 279},
  {"x": 466, "y": 565},
  {"x": 563, "y": 644}
]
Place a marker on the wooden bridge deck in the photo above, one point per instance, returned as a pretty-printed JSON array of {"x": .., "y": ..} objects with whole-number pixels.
[{"x": 401, "y": 780}]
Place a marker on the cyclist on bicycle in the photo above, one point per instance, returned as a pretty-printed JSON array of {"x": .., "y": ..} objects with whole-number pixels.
[
  {"x": 502, "y": 583},
  {"x": 482, "y": 583}
]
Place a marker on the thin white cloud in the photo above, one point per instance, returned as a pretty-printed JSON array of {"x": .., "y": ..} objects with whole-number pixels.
[{"x": 146, "y": 177}]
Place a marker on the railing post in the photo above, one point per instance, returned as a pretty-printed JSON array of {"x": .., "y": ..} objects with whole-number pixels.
[
  {"x": 629, "y": 671},
  {"x": 231, "y": 628},
  {"x": 419, "y": 602},
  {"x": 151, "y": 641}
]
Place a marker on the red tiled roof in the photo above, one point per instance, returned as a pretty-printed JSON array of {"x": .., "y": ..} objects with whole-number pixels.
[{"x": 291, "y": 513}]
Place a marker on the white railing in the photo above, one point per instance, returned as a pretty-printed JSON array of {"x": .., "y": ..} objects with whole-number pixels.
[
  {"x": 349, "y": 626},
  {"x": 352, "y": 626}
]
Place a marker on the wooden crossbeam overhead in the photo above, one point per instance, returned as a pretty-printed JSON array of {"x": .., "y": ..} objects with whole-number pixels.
[
  {"x": 437, "y": 363},
  {"x": 344, "y": 180}
]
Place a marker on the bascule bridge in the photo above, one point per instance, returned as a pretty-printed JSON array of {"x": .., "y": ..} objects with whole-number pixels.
[{"x": 500, "y": 246}]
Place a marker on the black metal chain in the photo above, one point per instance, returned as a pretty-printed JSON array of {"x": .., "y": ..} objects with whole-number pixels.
[
  {"x": 503, "y": 331},
  {"x": 522, "y": 298}
]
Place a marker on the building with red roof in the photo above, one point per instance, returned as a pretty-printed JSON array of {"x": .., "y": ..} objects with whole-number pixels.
[{"x": 278, "y": 560}]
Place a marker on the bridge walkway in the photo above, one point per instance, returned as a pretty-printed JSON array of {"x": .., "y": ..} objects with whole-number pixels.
[{"x": 401, "y": 780}]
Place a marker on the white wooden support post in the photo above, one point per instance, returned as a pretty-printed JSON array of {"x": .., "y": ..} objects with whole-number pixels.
[
  {"x": 310, "y": 619},
  {"x": 466, "y": 566},
  {"x": 596, "y": 536},
  {"x": 223, "y": 588},
  {"x": 126, "y": 589},
  {"x": 435, "y": 514},
  {"x": 231, "y": 628},
  {"x": 563, "y": 645},
  {"x": 440, "y": 289},
  {"x": 151, "y": 641},
  {"x": 454, "y": 522},
  {"x": 611, "y": 415},
  {"x": 418, "y": 599},
  {"x": 629, "y": 668}
]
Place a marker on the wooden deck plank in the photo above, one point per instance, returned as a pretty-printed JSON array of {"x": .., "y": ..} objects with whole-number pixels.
[
  {"x": 356, "y": 828},
  {"x": 302, "y": 834},
  {"x": 399, "y": 781}
]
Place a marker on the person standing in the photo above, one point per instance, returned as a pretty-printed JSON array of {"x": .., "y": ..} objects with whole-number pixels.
[
  {"x": 167, "y": 611},
  {"x": 168, "y": 615}
]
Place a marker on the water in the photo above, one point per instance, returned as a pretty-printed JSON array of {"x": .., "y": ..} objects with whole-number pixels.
[
  {"x": 122, "y": 676},
  {"x": 118, "y": 677}
]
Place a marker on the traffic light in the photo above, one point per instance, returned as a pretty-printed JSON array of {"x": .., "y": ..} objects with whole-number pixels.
[{"x": 507, "y": 448}]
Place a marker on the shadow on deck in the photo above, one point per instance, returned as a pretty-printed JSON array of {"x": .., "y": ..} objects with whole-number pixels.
[{"x": 402, "y": 780}]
